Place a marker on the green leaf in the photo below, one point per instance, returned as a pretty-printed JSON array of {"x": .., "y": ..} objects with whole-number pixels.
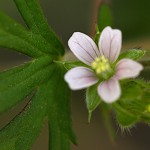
[
  {"x": 124, "y": 112},
  {"x": 133, "y": 96},
  {"x": 16, "y": 84},
  {"x": 72, "y": 64},
  {"x": 34, "y": 18},
  {"x": 133, "y": 105},
  {"x": 92, "y": 99},
  {"x": 42, "y": 78},
  {"x": 145, "y": 113},
  {"x": 124, "y": 118},
  {"x": 23, "y": 129},
  {"x": 50, "y": 101},
  {"x": 59, "y": 113},
  {"x": 8, "y": 40},
  {"x": 130, "y": 90},
  {"x": 104, "y": 16},
  {"x": 134, "y": 54},
  {"x": 16, "y": 37}
]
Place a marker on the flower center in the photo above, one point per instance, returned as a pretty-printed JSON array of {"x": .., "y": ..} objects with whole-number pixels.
[{"x": 102, "y": 67}]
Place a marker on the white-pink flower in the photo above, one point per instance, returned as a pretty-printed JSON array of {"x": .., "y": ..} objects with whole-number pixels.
[{"x": 101, "y": 61}]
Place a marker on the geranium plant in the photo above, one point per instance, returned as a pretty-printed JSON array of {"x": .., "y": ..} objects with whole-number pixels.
[{"x": 44, "y": 79}]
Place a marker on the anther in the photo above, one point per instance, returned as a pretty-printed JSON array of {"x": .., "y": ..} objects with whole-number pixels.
[{"x": 101, "y": 66}]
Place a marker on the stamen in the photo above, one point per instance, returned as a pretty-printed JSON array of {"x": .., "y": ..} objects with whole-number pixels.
[{"x": 101, "y": 66}]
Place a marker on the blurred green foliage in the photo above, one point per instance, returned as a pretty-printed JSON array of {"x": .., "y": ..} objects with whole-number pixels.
[{"x": 132, "y": 17}]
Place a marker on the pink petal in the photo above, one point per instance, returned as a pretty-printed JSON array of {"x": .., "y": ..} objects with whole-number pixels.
[
  {"x": 110, "y": 43},
  {"x": 127, "y": 68},
  {"x": 109, "y": 90},
  {"x": 80, "y": 78},
  {"x": 83, "y": 47}
]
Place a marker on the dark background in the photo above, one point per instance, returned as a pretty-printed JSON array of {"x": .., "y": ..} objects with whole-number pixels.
[{"x": 66, "y": 17}]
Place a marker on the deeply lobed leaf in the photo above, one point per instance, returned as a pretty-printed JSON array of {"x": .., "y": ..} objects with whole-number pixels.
[
  {"x": 34, "y": 18},
  {"x": 41, "y": 43},
  {"x": 16, "y": 84},
  {"x": 59, "y": 113},
  {"x": 16, "y": 37},
  {"x": 25, "y": 128}
]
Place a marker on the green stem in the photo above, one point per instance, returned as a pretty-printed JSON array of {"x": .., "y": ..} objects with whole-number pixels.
[{"x": 106, "y": 116}]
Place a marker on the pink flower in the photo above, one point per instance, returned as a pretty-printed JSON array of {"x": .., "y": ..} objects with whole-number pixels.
[{"x": 101, "y": 61}]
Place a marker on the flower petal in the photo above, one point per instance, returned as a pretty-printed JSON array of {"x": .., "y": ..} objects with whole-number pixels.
[
  {"x": 127, "y": 68},
  {"x": 110, "y": 43},
  {"x": 83, "y": 47},
  {"x": 80, "y": 78},
  {"x": 109, "y": 90}
]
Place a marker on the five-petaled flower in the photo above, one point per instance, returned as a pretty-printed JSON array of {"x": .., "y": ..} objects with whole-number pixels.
[{"x": 101, "y": 60}]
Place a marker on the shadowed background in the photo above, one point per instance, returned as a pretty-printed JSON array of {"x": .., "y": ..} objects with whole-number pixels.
[{"x": 66, "y": 17}]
